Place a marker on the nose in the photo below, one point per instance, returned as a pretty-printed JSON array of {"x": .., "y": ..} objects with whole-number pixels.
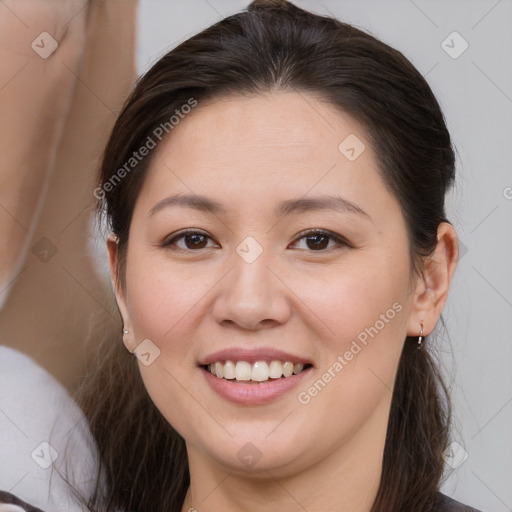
[{"x": 252, "y": 296}]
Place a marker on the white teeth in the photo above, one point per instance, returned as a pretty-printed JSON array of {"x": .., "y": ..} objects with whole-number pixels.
[
  {"x": 297, "y": 368},
  {"x": 276, "y": 369},
  {"x": 243, "y": 370},
  {"x": 229, "y": 370},
  {"x": 260, "y": 371},
  {"x": 288, "y": 369},
  {"x": 218, "y": 370}
]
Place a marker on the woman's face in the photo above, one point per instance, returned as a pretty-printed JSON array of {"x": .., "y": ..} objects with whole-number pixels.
[{"x": 255, "y": 284}]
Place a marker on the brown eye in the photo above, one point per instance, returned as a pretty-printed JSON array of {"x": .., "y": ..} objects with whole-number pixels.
[
  {"x": 190, "y": 240},
  {"x": 318, "y": 240},
  {"x": 196, "y": 241}
]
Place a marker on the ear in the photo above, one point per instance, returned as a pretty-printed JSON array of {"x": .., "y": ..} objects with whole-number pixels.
[
  {"x": 432, "y": 287},
  {"x": 113, "y": 257}
]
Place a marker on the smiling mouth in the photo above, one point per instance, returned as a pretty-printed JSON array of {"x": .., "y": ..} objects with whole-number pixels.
[{"x": 244, "y": 372}]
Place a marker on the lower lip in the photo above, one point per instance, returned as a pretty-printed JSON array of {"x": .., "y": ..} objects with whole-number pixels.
[{"x": 253, "y": 393}]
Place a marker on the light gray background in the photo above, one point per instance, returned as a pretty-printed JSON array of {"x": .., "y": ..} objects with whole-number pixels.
[{"x": 475, "y": 92}]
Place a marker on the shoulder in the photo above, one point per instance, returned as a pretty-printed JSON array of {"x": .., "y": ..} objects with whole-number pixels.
[
  {"x": 48, "y": 437},
  {"x": 445, "y": 504}
]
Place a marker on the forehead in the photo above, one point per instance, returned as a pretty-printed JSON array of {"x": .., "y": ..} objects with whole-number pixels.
[
  {"x": 259, "y": 147},
  {"x": 293, "y": 125}
]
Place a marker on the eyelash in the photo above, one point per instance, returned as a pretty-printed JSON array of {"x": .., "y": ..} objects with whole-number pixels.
[{"x": 303, "y": 234}]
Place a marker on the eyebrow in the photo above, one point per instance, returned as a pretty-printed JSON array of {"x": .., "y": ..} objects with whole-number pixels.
[{"x": 283, "y": 209}]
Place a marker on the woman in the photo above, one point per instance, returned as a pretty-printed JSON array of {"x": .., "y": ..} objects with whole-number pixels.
[{"x": 280, "y": 254}]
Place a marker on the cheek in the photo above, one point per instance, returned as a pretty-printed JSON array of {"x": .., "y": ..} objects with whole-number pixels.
[
  {"x": 366, "y": 320},
  {"x": 364, "y": 295},
  {"x": 160, "y": 297},
  {"x": 363, "y": 313},
  {"x": 163, "y": 306}
]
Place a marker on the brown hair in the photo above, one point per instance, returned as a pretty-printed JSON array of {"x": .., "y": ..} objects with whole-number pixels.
[{"x": 274, "y": 45}]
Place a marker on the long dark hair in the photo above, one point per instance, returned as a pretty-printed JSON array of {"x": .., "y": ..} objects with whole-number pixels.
[{"x": 274, "y": 45}]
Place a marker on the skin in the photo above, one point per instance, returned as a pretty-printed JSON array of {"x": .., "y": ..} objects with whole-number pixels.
[
  {"x": 249, "y": 153},
  {"x": 54, "y": 127},
  {"x": 29, "y": 84}
]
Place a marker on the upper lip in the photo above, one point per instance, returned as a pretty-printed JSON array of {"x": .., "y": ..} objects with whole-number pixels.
[{"x": 252, "y": 355}]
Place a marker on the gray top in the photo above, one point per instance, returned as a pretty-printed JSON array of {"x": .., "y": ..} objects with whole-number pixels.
[{"x": 444, "y": 504}]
